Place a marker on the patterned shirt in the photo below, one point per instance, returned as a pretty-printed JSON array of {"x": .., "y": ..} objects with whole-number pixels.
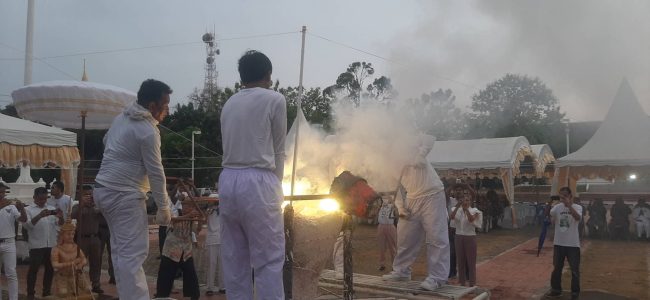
[{"x": 178, "y": 244}]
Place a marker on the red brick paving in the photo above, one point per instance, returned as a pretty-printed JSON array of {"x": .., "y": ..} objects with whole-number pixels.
[{"x": 518, "y": 273}]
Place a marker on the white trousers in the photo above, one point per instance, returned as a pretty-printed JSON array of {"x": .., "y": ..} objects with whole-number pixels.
[
  {"x": 126, "y": 215},
  {"x": 337, "y": 254},
  {"x": 643, "y": 226},
  {"x": 8, "y": 259},
  {"x": 428, "y": 220},
  {"x": 252, "y": 233},
  {"x": 215, "y": 267}
]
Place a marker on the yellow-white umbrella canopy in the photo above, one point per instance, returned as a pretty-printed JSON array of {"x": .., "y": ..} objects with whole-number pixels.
[{"x": 61, "y": 103}]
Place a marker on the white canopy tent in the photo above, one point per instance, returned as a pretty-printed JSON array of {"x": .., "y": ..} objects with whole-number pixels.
[
  {"x": 498, "y": 156},
  {"x": 620, "y": 146},
  {"x": 39, "y": 145},
  {"x": 543, "y": 157}
]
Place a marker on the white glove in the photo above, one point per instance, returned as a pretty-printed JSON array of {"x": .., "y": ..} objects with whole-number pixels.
[{"x": 164, "y": 216}]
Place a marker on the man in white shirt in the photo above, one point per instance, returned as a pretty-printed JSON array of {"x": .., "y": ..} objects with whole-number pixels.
[
  {"x": 566, "y": 217},
  {"x": 9, "y": 214},
  {"x": 58, "y": 199},
  {"x": 131, "y": 166},
  {"x": 423, "y": 214},
  {"x": 253, "y": 132},
  {"x": 42, "y": 224}
]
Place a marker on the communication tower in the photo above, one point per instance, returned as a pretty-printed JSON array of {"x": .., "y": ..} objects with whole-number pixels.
[{"x": 210, "y": 82}]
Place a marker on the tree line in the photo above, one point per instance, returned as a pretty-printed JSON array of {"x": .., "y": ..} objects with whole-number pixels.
[{"x": 513, "y": 105}]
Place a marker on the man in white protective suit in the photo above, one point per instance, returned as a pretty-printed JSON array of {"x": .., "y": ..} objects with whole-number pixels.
[
  {"x": 423, "y": 214},
  {"x": 253, "y": 132},
  {"x": 641, "y": 216},
  {"x": 132, "y": 166}
]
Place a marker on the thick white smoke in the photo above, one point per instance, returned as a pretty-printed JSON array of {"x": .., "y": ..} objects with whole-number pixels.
[
  {"x": 581, "y": 49},
  {"x": 373, "y": 141}
]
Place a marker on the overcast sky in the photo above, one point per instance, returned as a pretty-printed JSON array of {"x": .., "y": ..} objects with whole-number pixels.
[{"x": 581, "y": 49}]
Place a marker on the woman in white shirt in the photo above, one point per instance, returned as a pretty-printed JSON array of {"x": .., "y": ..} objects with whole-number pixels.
[{"x": 466, "y": 219}]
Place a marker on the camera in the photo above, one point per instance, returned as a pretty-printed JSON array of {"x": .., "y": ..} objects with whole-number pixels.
[{"x": 51, "y": 212}]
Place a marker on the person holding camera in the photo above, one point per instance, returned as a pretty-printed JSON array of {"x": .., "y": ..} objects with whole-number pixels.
[
  {"x": 42, "y": 224},
  {"x": 566, "y": 217},
  {"x": 9, "y": 214}
]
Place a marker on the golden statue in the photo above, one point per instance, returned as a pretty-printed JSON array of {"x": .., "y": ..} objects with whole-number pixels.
[{"x": 68, "y": 261}]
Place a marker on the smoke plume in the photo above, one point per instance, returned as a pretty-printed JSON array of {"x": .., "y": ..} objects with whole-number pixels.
[{"x": 580, "y": 49}]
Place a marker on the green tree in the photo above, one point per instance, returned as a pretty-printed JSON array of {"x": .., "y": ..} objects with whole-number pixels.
[
  {"x": 515, "y": 105},
  {"x": 176, "y": 148},
  {"x": 349, "y": 85},
  {"x": 437, "y": 114},
  {"x": 381, "y": 89},
  {"x": 315, "y": 104}
]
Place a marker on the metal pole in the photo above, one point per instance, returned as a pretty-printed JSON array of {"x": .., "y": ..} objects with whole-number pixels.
[
  {"x": 82, "y": 164},
  {"x": 566, "y": 130},
  {"x": 288, "y": 210},
  {"x": 29, "y": 43},
  {"x": 192, "y": 156},
  {"x": 298, "y": 110}
]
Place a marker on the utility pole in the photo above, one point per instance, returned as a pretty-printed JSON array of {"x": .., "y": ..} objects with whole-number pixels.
[{"x": 29, "y": 43}]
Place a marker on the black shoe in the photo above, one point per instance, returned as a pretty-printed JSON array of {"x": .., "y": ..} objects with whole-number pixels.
[
  {"x": 222, "y": 291},
  {"x": 31, "y": 297},
  {"x": 98, "y": 290},
  {"x": 382, "y": 268},
  {"x": 47, "y": 294},
  {"x": 554, "y": 294},
  {"x": 575, "y": 296}
]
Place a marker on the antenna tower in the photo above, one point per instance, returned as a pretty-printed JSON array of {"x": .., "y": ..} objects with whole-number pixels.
[{"x": 210, "y": 82}]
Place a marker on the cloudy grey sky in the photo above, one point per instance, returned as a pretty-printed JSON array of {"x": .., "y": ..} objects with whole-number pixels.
[{"x": 581, "y": 49}]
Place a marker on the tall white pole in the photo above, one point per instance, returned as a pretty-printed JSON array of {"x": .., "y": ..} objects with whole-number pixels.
[
  {"x": 192, "y": 155},
  {"x": 29, "y": 43},
  {"x": 298, "y": 110}
]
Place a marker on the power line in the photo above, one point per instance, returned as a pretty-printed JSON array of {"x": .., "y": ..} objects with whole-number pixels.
[
  {"x": 154, "y": 46},
  {"x": 386, "y": 59},
  {"x": 178, "y": 134}
]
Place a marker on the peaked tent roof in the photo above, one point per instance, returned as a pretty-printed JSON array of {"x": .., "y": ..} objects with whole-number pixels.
[
  {"x": 480, "y": 153},
  {"x": 623, "y": 139},
  {"x": 21, "y": 132}
]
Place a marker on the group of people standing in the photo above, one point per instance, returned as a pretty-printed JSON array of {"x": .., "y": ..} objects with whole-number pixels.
[
  {"x": 42, "y": 222},
  {"x": 620, "y": 215}
]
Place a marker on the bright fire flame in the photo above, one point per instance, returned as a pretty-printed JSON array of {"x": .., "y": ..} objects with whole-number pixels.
[{"x": 304, "y": 187}]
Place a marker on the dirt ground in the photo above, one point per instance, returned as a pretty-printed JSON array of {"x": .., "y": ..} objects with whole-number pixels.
[
  {"x": 366, "y": 254},
  {"x": 618, "y": 268},
  {"x": 609, "y": 269}
]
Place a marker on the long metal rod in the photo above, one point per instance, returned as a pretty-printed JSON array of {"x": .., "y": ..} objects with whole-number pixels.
[
  {"x": 29, "y": 43},
  {"x": 298, "y": 110}
]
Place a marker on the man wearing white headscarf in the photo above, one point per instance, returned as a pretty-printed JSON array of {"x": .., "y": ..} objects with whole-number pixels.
[
  {"x": 131, "y": 166},
  {"x": 423, "y": 214}
]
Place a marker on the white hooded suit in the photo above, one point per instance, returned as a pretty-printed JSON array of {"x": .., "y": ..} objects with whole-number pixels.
[
  {"x": 130, "y": 167},
  {"x": 425, "y": 218}
]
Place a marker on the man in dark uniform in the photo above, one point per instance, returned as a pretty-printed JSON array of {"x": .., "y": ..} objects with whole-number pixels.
[
  {"x": 105, "y": 244},
  {"x": 88, "y": 217}
]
